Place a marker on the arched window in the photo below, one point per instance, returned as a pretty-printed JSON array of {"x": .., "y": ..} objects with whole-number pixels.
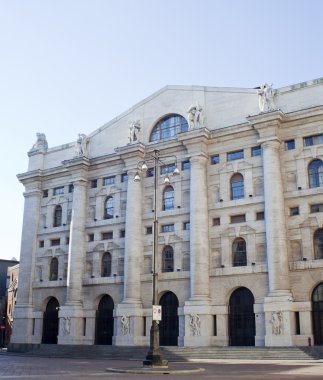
[
  {"x": 315, "y": 173},
  {"x": 53, "y": 269},
  {"x": 58, "y": 216},
  {"x": 239, "y": 253},
  {"x": 168, "y": 259},
  {"x": 318, "y": 244},
  {"x": 106, "y": 265},
  {"x": 237, "y": 186},
  {"x": 169, "y": 127},
  {"x": 168, "y": 198},
  {"x": 109, "y": 208}
]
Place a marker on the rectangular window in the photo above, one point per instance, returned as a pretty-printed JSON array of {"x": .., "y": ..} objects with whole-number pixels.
[
  {"x": 149, "y": 230},
  {"x": 237, "y": 155},
  {"x": 41, "y": 243},
  {"x": 124, "y": 177},
  {"x": 186, "y": 226},
  {"x": 294, "y": 211},
  {"x": 54, "y": 242},
  {"x": 144, "y": 326},
  {"x": 297, "y": 324},
  {"x": 256, "y": 151},
  {"x": 58, "y": 190},
  {"x": 122, "y": 233},
  {"x": 107, "y": 235},
  {"x": 167, "y": 169},
  {"x": 238, "y": 218},
  {"x": 33, "y": 328},
  {"x": 186, "y": 165},
  {"x": 90, "y": 237},
  {"x": 216, "y": 221},
  {"x": 67, "y": 241},
  {"x": 313, "y": 140},
  {"x": 84, "y": 326},
  {"x": 260, "y": 215},
  {"x": 168, "y": 228},
  {"x": 109, "y": 180},
  {"x": 70, "y": 188},
  {"x": 45, "y": 193},
  {"x": 289, "y": 144},
  {"x": 215, "y": 159},
  {"x": 150, "y": 172},
  {"x": 317, "y": 208},
  {"x": 94, "y": 183}
]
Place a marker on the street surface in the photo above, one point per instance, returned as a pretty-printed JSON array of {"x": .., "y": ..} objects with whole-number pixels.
[{"x": 23, "y": 367}]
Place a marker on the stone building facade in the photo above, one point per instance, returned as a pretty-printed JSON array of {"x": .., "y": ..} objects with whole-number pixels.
[{"x": 240, "y": 229}]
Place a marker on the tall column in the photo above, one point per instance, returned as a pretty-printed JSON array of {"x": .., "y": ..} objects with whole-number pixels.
[
  {"x": 22, "y": 331},
  {"x": 278, "y": 305},
  {"x": 72, "y": 312},
  {"x": 197, "y": 308},
  {"x": 276, "y": 237},
  {"x": 199, "y": 231},
  {"x": 131, "y": 306}
]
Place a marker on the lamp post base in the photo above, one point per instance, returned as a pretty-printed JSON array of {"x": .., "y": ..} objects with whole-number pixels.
[{"x": 154, "y": 357}]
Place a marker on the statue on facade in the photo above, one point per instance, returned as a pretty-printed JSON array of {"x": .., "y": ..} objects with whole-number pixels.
[
  {"x": 41, "y": 143},
  {"x": 81, "y": 145},
  {"x": 266, "y": 98},
  {"x": 277, "y": 322},
  {"x": 125, "y": 324},
  {"x": 67, "y": 325},
  {"x": 134, "y": 131},
  {"x": 195, "y": 116},
  {"x": 195, "y": 323}
]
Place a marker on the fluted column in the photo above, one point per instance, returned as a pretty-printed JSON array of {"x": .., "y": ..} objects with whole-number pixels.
[
  {"x": 199, "y": 237},
  {"x": 76, "y": 249},
  {"x": 275, "y": 219},
  {"x": 22, "y": 331},
  {"x": 133, "y": 241}
]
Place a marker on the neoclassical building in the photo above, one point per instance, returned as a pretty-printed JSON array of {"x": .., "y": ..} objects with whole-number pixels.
[{"x": 239, "y": 232}]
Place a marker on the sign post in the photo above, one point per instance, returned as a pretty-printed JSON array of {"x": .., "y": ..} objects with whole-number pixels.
[{"x": 157, "y": 315}]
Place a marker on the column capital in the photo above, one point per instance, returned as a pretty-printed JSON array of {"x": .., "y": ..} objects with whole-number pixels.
[
  {"x": 199, "y": 159},
  {"x": 272, "y": 143}
]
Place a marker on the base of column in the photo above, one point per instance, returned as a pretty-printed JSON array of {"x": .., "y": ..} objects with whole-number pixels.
[
  {"x": 71, "y": 325},
  {"x": 279, "y": 319},
  {"x": 23, "y": 325},
  {"x": 198, "y": 323},
  {"x": 129, "y": 325}
]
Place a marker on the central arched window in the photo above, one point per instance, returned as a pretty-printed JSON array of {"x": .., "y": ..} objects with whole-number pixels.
[
  {"x": 239, "y": 252},
  {"x": 168, "y": 259},
  {"x": 315, "y": 173},
  {"x": 53, "y": 269},
  {"x": 57, "y": 216},
  {"x": 318, "y": 244},
  {"x": 169, "y": 127},
  {"x": 109, "y": 208},
  {"x": 237, "y": 186},
  {"x": 168, "y": 198},
  {"x": 106, "y": 265}
]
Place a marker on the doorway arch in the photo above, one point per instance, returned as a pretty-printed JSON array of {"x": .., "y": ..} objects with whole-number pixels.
[
  {"x": 317, "y": 314},
  {"x": 104, "y": 321},
  {"x": 50, "y": 322},
  {"x": 168, "y": 327},
  {"x": 242, "y": 327}
]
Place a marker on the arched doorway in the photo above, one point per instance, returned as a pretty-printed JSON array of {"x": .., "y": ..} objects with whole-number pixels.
[
  {"x": 317, "y": 313},
  {"x": 50, "y": 322},
  {"x": 104, "y": 321},
  {"x": 168, "y": 327},
  {"x": 241, "y": 318}
]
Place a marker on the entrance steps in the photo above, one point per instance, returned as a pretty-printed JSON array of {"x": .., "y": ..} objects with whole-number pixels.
[{"x": 170, "y": 353}]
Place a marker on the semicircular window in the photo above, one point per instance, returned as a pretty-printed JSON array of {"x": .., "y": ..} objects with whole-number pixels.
[{"x": 168, "y": 127}]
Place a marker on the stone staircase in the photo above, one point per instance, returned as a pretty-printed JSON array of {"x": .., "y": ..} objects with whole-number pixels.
[{"x": 170, "y": 353}]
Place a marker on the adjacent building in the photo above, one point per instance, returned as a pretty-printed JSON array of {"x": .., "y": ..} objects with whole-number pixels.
[
  {"x": 12, "y": 289},
  {"x": 239, "y": 232}
]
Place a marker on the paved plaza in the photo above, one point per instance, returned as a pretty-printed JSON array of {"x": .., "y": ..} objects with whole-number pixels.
[{"x": 23, "y": 367}]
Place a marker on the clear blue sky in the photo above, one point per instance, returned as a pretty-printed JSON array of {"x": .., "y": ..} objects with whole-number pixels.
[{"x": 69, "y": 66}]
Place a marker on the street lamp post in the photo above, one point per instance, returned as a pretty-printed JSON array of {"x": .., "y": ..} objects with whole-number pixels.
[{"x": 154, "y": 356}]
